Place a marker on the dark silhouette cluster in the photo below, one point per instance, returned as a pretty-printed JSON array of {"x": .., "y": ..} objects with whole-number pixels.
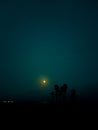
[{"x": 59, "y": 94}]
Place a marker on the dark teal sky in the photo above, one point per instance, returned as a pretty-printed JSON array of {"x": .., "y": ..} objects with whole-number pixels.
[{"x": 57, "y": 39}]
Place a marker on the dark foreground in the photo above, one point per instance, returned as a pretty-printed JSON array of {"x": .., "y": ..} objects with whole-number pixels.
[
  {"x": 50, "y": 114},
  {"x": 83, "y": 108},
  {"x": 58, "y": 116}
]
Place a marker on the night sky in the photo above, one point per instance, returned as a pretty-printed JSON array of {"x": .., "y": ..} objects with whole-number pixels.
[{"x": 52, "y": 39}]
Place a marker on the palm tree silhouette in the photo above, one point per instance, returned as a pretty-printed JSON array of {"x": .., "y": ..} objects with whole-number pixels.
[
  {"x": 64, "y": 90},
  {"x": 60, "y": 95},
  {"x": 52, "y": 96},
  {"x": 73, "y": 95},
  {"x": 56, "y": 88}
]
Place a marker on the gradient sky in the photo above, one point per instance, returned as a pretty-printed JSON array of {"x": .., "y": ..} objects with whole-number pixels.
[{"x": 55, "y": 39}]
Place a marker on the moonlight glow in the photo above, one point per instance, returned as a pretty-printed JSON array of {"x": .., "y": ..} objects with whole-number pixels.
[{"x": 43, "y": 81}]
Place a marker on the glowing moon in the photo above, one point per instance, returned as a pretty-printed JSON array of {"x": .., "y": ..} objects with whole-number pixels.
[{"x": 44, "y": 81}]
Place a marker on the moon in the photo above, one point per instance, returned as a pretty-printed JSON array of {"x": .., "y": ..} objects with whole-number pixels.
[{"x": 44, "y": 81}]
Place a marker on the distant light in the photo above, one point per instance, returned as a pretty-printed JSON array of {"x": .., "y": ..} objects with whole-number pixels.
[
  {"x": 4, "y": 101},
  {"x": 8, "y": 101}
]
